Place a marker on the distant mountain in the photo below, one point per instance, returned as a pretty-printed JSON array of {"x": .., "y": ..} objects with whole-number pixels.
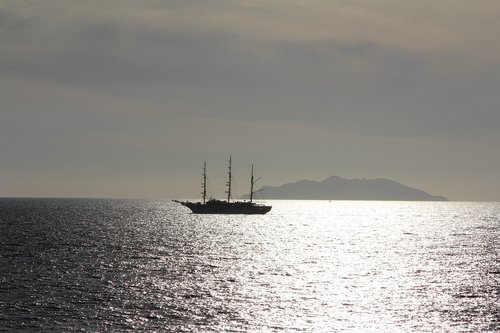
[{"x": 336, "y": 188}]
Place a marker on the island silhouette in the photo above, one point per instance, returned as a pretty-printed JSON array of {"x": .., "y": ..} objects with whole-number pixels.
[{"x": 337, "y": 188}]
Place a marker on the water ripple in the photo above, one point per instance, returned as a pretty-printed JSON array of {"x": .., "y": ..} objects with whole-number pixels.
[{"x": 313, "y": 266}]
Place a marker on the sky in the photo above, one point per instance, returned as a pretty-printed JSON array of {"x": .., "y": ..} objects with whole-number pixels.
[{"x": 125, "y": 98}]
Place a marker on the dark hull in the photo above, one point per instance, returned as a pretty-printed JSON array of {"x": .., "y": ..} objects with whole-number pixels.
[{"x": 223, "y": 207}]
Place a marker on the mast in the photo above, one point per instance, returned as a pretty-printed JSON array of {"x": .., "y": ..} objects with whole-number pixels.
[
  {"x": 204, "y": 183},
  {"x": 252, "y": 183},
  {"x": 228, "y": 183}
]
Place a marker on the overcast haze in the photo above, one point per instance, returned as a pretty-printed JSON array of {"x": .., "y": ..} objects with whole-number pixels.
[{"x": 122, "y": 98}]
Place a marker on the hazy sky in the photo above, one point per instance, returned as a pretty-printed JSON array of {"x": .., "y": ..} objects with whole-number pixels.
[{"x": 126, "y": 98}]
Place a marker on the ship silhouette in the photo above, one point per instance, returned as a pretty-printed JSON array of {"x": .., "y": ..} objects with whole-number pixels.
[{"x": 215, "y": 206}]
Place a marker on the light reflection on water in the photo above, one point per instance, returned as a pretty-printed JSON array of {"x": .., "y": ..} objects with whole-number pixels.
[{"x": 121, "y": 265}]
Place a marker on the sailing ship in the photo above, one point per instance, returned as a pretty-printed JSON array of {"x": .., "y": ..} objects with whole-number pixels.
[{"x": 215, "y": 206}]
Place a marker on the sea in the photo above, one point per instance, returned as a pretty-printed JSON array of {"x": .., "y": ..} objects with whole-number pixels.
[{"x": 101, "y": 265}]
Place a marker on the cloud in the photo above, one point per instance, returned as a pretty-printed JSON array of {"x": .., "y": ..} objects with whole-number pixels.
[
  {"x": 326, "y": 55},
  {"x": 142, "y": 36},
  {"x": 84, "y": 78}
]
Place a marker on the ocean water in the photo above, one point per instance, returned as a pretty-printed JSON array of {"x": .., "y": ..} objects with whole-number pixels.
[{"x": 89, "y": 265}]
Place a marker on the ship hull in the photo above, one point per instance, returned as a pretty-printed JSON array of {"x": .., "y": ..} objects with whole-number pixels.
[{"x": 224, "y": 207}]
